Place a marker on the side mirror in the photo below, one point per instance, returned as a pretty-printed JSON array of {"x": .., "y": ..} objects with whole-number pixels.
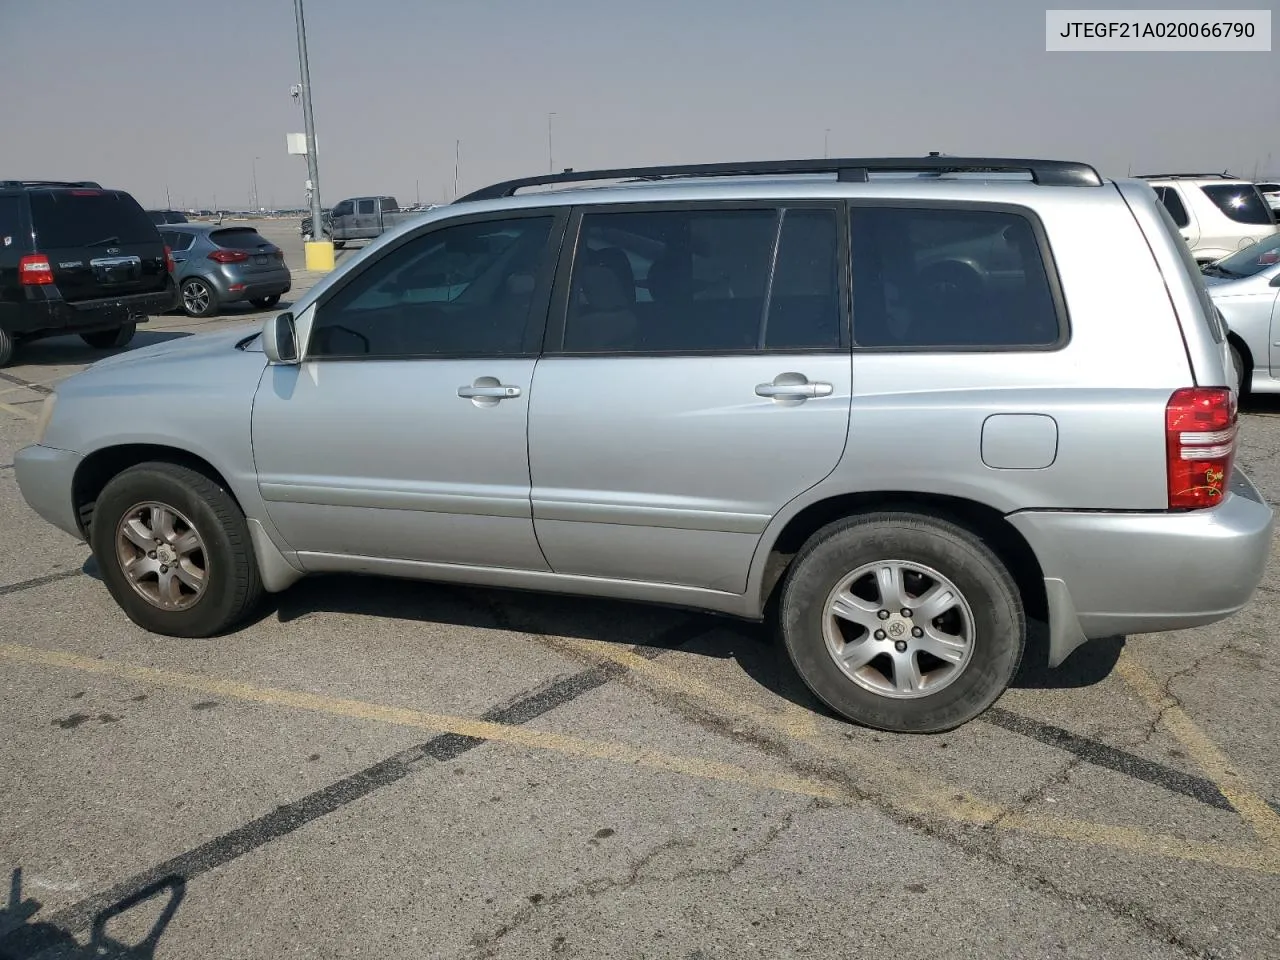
[
  {"x": 1275, "y": 281},
  {"x": 280, "y": 339}
]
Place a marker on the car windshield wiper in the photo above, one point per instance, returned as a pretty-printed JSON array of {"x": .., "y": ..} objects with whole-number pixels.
[{"x": 98, "y": 243}]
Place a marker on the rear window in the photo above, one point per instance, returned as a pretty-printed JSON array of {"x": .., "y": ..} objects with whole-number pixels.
[
  {"x": 1217, "y": 326},
  {"x": 1240, "y": 201},
  {"x": 950, "y": 278},
  {"x": 79, "y": 218},
  {"x": 238, "y": 238}
]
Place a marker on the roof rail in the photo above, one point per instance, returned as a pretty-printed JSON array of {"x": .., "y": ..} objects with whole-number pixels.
[
  {"x": 50, "y": 183},
  {"x": 1224, "y": 175},
  {"x": 1056, "y": 173}
]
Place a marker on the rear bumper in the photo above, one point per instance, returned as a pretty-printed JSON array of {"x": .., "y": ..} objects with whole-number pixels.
[
  {"x": 52, "y": 316},
  {"x": 45, "y": 476},
  {"x": 1109, "y": 574},
  {"x": 250, "y": 286}
]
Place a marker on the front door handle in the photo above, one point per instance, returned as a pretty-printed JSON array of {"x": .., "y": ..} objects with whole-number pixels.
[
  {"x": 487, "y": 391},
  {"x": 793, "y": 387}
]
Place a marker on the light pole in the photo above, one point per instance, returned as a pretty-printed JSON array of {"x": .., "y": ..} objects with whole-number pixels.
[
  {"x": 826, "y": 140},
  {"x": 551, "y": 157},
  {"x": 323, "y": 259},
  {"x": 255, "y": 183},
  {"x": 457, "y": 160}
]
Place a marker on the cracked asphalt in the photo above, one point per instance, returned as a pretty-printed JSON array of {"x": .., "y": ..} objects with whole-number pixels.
[{"x": 406, "y": 770}]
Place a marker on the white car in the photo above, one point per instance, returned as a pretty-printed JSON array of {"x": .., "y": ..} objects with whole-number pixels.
[
  {"x": 1245, "y": 287},
  {"x": 1270, "y": 193},
  {"x": 1216, "y": 214}
]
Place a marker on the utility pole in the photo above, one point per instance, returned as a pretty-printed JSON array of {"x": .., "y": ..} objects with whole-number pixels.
[
  {"x": 457, "y": 161},
  {"x": 255, "y": 184},
  {"x": 313, "y": 169},
  {"x": 551, "y": 157},
  {"x": 826, "y": 142},
  {"x": 168, "y": 204}
]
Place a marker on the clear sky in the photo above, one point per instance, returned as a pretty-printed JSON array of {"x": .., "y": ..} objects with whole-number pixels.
[{"x": 141, "y": 94}]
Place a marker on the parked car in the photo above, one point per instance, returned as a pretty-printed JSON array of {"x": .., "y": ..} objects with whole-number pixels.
[
  {"x": 217, "y": 265},
  {"x": 360, "y": 218},
  {"x": 1246, "y": 289},
  {"x": 745, "y": 401},
  {"x": 159, "y": 217},
  {"x": 1217, "y": 214},
  {"x": 77, "y": 258}
]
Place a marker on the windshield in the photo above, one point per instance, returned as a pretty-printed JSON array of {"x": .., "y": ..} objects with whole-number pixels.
[
  {"x": 1252, "y": 259},
  {"x": 81, "y": 218}
]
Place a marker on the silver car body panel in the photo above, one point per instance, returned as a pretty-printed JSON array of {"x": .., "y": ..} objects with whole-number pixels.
[
  {"x": 1251, "y": 307},
  {"x": 669, "y": 479}
]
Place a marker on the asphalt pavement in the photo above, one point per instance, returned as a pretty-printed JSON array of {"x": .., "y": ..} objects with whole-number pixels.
[{"x": 390, "y": 769}]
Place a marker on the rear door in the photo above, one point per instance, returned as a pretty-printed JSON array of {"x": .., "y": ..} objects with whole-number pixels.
[
  {"x": 697, "y": 379},
  {"x": 365, "y": 223},
  {"x": 99, "y": 243}
]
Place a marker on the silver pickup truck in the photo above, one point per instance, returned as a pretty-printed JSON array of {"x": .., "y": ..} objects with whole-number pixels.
[{"x": 361, "y": 218}]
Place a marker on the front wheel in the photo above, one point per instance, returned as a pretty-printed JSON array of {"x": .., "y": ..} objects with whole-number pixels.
[
  {"x": 198, "y": 298},
  {"x": 174, "y": 551},
  {"x": 902, "y": 622},
  {"x": 110, "y": 339}
]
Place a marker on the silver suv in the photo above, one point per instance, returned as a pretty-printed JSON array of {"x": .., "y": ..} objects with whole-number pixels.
[{"x": 889, "y": 403}]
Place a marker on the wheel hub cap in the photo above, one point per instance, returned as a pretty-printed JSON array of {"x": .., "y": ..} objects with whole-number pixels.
[{"x": 162, "y": 555}]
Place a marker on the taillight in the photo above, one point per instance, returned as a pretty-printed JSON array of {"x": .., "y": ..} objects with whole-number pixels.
[
  {"x": 168, "y": 259},
  {"x": 34, "y": 270},
  {"x": 1200, "y": 433},
  {"x": 229, "y": 256},
  {"x": 279, "y": 254}
]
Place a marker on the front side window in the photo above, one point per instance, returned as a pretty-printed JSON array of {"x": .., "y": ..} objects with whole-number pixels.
[
  {"x": 926, "y": 278},
  {"x": 343, "y": 209},
  {"x": 464, "y": 290},
  {"x": 1241, "y": 202},
  {"x": 699, "y": 281},
  {"x": 1173, "y": 203}
]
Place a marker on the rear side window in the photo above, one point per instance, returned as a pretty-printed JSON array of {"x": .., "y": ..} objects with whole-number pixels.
[
  {"x": 927, "y": 278},
  {"x": 705, "y": 281},
  {"x": 389, "y": 205},
  {"x": 81, "y": 218},
  {"x": 1240, "y": 201},
  {"x": 1172, "y": 201},
  {"x": 365, "y": 206},
  {"x": 10, "y": 223},
  {"x": 238, "y": 238}
]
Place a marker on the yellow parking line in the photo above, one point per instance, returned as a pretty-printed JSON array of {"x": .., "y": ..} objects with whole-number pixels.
[
  {"x": 24, "y": 414},
  {"x": 917, "y": 797},
  {"x": 1234, "y": 786}
]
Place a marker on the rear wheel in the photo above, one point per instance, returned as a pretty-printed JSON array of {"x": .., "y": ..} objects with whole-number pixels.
[
  {"x": 266, "y": 303},
  {"x": 339, "y": 244},
  {"x": 174, "y": 551},
  {"x": 902, "y": 622},
  {"x": 198, "y": 298},
  {"x": 1241, "y": 371},
  {"x": 6, "y": 348},
  {"x": 110, "y": 339}
]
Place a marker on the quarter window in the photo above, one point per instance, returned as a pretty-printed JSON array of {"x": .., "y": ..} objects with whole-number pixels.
[
  {"x": 949, "y": 278},
  {"x": 1172, "y": 201},
  {"x": 465, "y": 290},
  {"x": 704, "y": 281}
]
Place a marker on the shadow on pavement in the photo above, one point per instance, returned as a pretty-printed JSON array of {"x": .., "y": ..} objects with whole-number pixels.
[
  {"x": 22, "y": 938},
  {"x": 73, "y": 350}
]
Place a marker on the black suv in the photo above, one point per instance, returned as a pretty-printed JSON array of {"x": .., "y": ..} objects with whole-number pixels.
[{"x": 77, "y": 258}]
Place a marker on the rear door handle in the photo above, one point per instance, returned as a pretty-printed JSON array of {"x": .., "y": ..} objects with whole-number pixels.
[
  {"x": 793, "y": 386},
  {"x": 488, "y": 389}
]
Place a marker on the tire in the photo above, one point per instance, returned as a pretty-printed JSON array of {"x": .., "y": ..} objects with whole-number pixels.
[
  {"x": 198, "y": 298},
  {"x": 1241, "y": 372},
  {"x": 7, "y": 346},
  {"x": 231, "y": 586},
  {"x": 110, "y": 339},
  {"x": 989, "y": 613},
  {"x": 266, "y": 303},
  {"x": 339, "y": 244}
]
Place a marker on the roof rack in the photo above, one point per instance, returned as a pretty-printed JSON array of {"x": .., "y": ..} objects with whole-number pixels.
[
  {"x": 1224, "y": 175},
  {"x": 1055, "y": 173},
  {"x": 51, "y": 183}
]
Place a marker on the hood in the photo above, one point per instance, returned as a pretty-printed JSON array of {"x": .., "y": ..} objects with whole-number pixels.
[{"x": 180, "y": 348}]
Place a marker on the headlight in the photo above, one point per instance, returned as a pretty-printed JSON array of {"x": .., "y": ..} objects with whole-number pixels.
[{"x": 46, "y": 414}]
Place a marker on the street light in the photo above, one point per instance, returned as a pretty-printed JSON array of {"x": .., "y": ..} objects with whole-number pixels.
[
  {"x": 255, "y": 183},
  {"x": 826, "y": 139},
  {"x": 319, "y": 251}
]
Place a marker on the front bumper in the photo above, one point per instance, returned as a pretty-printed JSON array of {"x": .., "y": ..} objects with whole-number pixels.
[
  {"x": 45, "y": 476},
  {"x": 1109, "y": 574}
]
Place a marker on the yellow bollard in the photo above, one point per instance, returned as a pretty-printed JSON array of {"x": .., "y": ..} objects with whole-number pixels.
[{"x": 319, "y": 255}]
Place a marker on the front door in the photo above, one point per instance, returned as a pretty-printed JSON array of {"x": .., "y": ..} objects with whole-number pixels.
[
  {"x": 402, "y": 434},
  {"x": 697, "y": 379}
]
